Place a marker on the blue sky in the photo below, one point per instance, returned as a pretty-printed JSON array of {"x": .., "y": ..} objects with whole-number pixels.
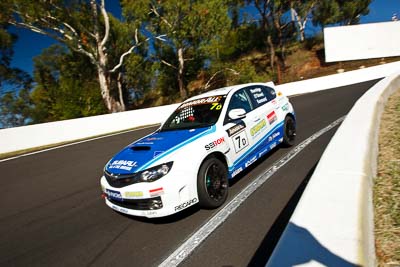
[{"x": 30, "y": 44}]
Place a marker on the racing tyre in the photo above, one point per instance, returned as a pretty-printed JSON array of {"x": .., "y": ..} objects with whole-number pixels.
[
  {"x": 212, "y": 183},
  {"x": 289, "y": 132}
]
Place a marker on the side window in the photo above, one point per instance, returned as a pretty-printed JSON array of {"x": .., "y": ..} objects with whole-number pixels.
[
  {"x": 261, "y": 95},
  {"x": 240, "y": 99},
  {"x": 269, "y": 92}
]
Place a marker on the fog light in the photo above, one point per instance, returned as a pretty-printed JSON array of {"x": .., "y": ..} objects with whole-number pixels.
[{"x": 156, "y": 204}]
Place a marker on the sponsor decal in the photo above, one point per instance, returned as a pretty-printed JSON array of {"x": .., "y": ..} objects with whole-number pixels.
[
  {"x": 186, "y": 204},
  {"x": 237, "y": 171},
  {"x": 259, "y": 95},
  {"x": 273, "y": 102},
  {"x": 145, "y": 143},
  {"x": 240, "y": 141},
  {"x": 235, "y": 129},
  {"x": 134, "y": 194},
  {"x": 263, "y": 152},
  {"x": 202, "y": 101},
  {"x": 273, "y": 136},
  {"x": 114, "y": 195},
  {"x": 251, "y": 161},
  {"x": 261, "y": 100},
  {"x": 157, "y": 153},
  {"x": 272, "y": 117},
  {"x": 156, "y": 192},
  {"x": 273, "y": 145},
  {"x": 119, "y": 209},
  {"x": 154, "y": 138},
  {"x": 285, "y": 107},
  {"x": 258, "y": 127},
  {"x": 123, "y": 164},
  {"x": 214, "y": 143}
]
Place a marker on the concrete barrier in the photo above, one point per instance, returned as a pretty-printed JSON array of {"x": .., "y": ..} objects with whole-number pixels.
[
  {"x": 332, "y": 224},
  {"x": 39, "y": 135}
]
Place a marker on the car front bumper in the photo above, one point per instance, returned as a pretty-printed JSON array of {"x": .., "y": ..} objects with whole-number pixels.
[{"x": 149, "y": 200}]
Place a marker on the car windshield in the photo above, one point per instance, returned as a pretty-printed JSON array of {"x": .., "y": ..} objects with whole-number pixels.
[{"x": 197, "y": 113}]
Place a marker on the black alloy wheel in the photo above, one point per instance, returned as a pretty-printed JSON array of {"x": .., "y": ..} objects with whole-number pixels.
[
  {"x": 289, "y": 132},
  {"x": 212, "y": 183}
]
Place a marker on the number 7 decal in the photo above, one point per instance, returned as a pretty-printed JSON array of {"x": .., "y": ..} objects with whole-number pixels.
[{"x": 240, "y": 141}]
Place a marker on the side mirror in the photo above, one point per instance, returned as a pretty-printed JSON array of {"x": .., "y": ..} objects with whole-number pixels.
[{"x": 237, "y": 113}]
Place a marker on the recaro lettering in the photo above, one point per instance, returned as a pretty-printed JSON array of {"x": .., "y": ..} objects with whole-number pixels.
[{"x": 186, "y": 204}]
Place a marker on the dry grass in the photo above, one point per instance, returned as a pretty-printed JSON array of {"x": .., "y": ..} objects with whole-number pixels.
[{"x": 387, "y": 187}]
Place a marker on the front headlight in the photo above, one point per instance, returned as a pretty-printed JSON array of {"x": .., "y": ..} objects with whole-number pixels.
[
  {"x": 155, "y": 173},
  {"x": 148, "y": 175}
]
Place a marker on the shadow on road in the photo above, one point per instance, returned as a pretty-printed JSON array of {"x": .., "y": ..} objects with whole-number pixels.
[{"x": 264, "y": 251}]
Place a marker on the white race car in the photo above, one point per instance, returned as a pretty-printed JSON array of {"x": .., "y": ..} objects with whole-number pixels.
[{"x": 208, "y": 140}]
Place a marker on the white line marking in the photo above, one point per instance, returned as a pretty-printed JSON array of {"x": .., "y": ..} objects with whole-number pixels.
[
  {"x": 180, "y": 254},
  {"x": 74, "y": 143}
]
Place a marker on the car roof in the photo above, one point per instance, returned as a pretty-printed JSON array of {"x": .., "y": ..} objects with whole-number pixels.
[{"x": 226, "y": 90}]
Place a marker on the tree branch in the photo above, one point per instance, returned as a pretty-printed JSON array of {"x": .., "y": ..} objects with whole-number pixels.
[
  {"x": 154, "y": 10},
  {"x": 106, "y": 23},
  {"x": 137, "y": 44},
  {"x": 168, "y": 64},
  {"x": 207, "y": 85}
]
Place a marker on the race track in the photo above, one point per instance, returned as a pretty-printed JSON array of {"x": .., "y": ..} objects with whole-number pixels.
[{"x": 52, "y": 213}]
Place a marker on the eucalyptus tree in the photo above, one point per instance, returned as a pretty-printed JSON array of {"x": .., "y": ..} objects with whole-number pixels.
[
  {"x": 85, "y": 27},
  {"x": 341, "y": 12},
  {"x": 301, "y": 13},
  {"x": 190, "y": 28},
  {"x": 273, "y": 25},
  {"x": 15, "y": 84}
]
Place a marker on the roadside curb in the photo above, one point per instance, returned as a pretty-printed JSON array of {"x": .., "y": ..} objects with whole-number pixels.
[{"x": 333, "y": 221}]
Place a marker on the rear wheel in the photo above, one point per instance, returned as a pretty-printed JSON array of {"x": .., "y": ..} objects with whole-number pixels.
[
  {"x": 212, "y": 183},
  {"x": 289, "y": 131}
]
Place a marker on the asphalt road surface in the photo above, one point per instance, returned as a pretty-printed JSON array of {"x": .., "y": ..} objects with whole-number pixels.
[{"x": 51, "y": 213}]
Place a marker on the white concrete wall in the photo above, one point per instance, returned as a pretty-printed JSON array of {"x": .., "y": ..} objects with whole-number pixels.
[
  {"x": 25, "y": 137},
  {"x": 373, "y": 40},
  {"x": 31, "y": 136},
  {"x": 333, "y": 222}
]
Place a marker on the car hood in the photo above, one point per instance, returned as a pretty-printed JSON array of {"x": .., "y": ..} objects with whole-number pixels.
[{"x": 146, "y": 151}]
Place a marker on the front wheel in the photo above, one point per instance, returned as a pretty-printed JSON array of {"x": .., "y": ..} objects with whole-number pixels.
[
  {"x": 212, "y": 183},
  {"x": 289, "y": 131}
]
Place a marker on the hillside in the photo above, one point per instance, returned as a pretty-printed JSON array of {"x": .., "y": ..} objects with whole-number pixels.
[{"x": 303, "y": 61}]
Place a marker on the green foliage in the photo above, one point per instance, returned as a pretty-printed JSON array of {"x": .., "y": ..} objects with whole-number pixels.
[
  {"x": 352, "y": 10},
  {"x": 237, "y": 42},
  {"x": 189, "y": 26},
  {"x": 236, "y": 72},
  {"x": 14, "y": 84},
  {"x": 339, "y": 12},
  {"x": 204, "y": 44},
  {"x": 15, "y": 109},
  {"x": 66, "y": 86}
]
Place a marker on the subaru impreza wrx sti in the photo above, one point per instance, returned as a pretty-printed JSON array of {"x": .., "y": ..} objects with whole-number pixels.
[{"x": 206, "y": 141}]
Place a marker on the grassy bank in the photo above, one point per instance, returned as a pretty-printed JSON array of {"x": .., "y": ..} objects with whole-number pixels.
[{"x": 387, "y": 187}]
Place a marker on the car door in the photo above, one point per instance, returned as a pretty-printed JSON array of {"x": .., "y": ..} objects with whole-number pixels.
[
  {"x": 238, "y": 132},
  {"x": 267, "y": 109}
]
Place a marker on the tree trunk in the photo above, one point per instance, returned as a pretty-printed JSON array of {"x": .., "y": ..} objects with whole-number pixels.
[
  {"x": 271, "y": 51},
  {"x": 111, "y": 104},
  {"x": 182, "y": 89},
  {"x": 300, "y": 24},
  {"x": 278, "y": 29},
  {"x": 120, "y": 89}
]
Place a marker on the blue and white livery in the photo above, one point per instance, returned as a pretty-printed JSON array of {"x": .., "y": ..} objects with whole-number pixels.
[{"x": 208, "y": 140}]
